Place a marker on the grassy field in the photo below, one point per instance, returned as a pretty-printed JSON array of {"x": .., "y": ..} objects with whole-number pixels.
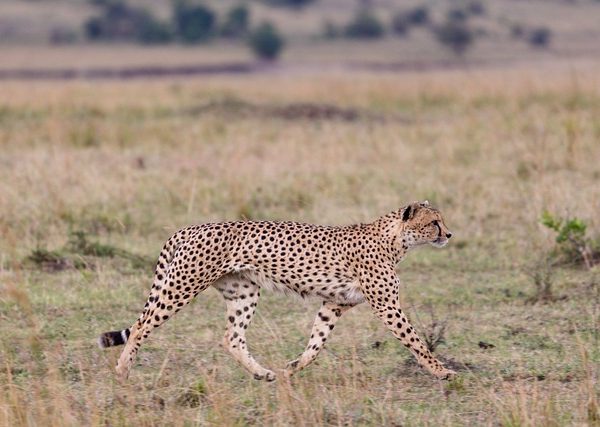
[{"x": 95, "y": 176}]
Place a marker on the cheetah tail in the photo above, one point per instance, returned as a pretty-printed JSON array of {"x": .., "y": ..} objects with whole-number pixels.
[{"x": 113, "y": 338}]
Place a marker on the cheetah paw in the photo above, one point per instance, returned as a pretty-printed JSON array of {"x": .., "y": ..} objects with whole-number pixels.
[
  {"x": 267, "y": 376},
  {"x": 446, "y": 374}
]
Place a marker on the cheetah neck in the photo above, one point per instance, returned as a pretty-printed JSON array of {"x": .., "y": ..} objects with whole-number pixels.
[{"x": 395, "y": 242}]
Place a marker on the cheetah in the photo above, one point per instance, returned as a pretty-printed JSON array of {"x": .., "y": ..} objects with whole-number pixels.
[{"x": 342, "y": 265}]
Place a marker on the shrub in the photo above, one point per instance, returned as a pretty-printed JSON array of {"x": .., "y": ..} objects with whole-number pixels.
[
  {"x": 236, "y": 22},
  {"x": 455, "y": 35},
  {"x": 365, "y": 25},
  {"x": 573, "y": 244},
  {"x": 118, "y": 21},
  {"x": 266, "y": 42},
  {"x": 152, "y": 31},
  {"x": 93, "y": 28},
  {"x": 193, "y": 23},
  {"x": 418, "y": 15},
  {"x": 542, "y": 275},
  {"x": 540, "y": 37}
]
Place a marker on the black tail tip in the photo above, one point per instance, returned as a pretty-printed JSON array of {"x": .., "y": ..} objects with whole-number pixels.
[{"x": 113, "y": 338}]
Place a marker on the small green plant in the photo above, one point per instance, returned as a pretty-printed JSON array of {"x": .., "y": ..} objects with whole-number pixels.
[{"x": 571, "y": 238}]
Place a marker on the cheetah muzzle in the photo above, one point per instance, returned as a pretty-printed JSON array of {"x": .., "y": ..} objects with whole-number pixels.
[{"x": 343, "y": 266}]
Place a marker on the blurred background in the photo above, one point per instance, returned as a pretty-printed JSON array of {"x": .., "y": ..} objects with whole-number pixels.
[{"x": 82, "y": 37}]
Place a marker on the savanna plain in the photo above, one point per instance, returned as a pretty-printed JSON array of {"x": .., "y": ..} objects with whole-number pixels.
[{"x": 95, "y": 176}]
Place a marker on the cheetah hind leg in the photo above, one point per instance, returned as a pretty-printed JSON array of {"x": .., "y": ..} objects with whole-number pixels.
[
  {"x": 241, "y": 296},
  {"x": 159, "y": 309}
]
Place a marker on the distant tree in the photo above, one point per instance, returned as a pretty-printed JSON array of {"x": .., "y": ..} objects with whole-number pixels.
[
  {"x": 236, "y": 22},
  {"x": 119, "y": 21},
  {"x": 455, "y": 35},
  {"x": 93, "y": 28},
  {"x": 400, "y": 24},
  {"x": 365, "y": 25},
  {"x": 152, "y": 31},
  {"x": 194, "y": 23},
  {"x": 266, "y": 42},
  {"x": 540, "y": 37},
  {"x": 418, "y": 16}
]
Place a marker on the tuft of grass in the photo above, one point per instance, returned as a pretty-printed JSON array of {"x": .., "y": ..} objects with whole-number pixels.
[
  {"x": 79, "y": 252},
  {"x": 542, "y": 275}
]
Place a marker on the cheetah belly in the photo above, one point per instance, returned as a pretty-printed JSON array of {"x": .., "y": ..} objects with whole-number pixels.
[{"x": 339, "y": 291}]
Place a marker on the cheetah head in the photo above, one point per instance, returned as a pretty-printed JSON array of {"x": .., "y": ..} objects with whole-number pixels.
[{"x": 424, "y": 224}]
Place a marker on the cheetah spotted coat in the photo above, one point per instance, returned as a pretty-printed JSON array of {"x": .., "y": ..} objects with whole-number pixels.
[{"x": 343, "y": 266}]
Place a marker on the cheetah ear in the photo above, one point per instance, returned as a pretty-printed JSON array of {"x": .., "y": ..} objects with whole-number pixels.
[
  {"x": 410, "y": 210},
  {"x": 425, "y": 203}
]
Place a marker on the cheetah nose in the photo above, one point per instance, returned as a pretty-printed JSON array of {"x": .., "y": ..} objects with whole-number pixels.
[{"x": 448, "y": 235}]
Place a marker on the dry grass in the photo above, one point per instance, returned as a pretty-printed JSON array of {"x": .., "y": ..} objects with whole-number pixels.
[{"x": 129, "y": 163}]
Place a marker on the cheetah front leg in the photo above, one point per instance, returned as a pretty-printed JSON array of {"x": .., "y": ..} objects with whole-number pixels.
[
  {"x": 325, "y": 320},
  {"x": 383, "y": 298}
]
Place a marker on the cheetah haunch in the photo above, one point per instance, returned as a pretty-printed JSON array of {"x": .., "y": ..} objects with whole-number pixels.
[{"x": 344, "y": 266}]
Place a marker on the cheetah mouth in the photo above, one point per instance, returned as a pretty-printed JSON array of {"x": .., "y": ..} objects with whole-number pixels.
[{"x": 440, "y": 242}]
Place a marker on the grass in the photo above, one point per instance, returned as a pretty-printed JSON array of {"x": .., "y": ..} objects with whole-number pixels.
[{"x": 128, "y": 163}]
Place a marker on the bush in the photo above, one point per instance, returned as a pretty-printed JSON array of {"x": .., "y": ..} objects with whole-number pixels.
[
  {"x": 455, "y": 35},
  {"x": 118, "y": 21},
  {"x": 151, "y": 31},
  {"x": 194, "y": 23},
  {"x": 540, "y": 37},
  {"x": 365, "y": 25},
  {"x": 573, "y": 244},
  {"x": 93, "y": 28},
  {"x": 236, "y": 22},
  {"x": 418, "y": 15},
  {"x": 266, "y": 42},
  {"x": 400, "y": 24}
]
